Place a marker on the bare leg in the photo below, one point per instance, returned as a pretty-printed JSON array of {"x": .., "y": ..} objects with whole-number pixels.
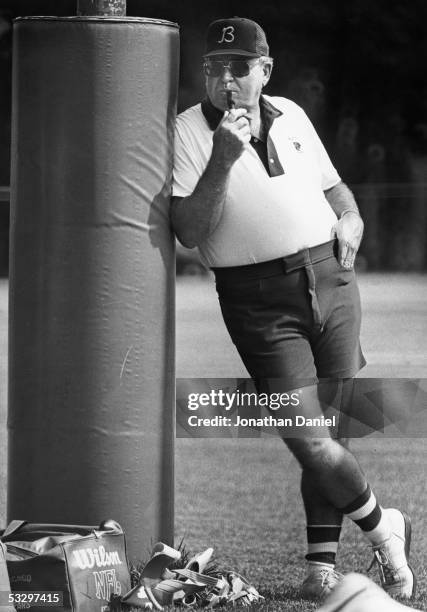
[
  {"x": 324, "y": 521},
  {"x": 325, "y": 462}
]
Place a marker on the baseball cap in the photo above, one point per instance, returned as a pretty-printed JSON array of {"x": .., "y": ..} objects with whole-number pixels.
[{"x": 236, "y": 36}]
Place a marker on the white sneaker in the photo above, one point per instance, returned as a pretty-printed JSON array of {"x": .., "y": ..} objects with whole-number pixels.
[
  {"x": 320, "y": 581},
  {"x": 391, "y": 556},
  {"x": 357, "y": 593}
]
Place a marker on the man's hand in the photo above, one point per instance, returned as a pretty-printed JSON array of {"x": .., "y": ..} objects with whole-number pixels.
[
  {"x": 349, "y": 227},
  {"x": 231, "y": 137},
  {"x": 348, "y": 230}
]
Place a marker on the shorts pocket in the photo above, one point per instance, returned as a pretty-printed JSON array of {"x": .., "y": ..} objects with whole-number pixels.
[{"x": 344, "y": 276}]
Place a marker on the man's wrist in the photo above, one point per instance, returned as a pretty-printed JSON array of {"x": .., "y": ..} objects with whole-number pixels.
[
  {"x": 349, "y": 210},
  {"x": 220, "y": 163}
]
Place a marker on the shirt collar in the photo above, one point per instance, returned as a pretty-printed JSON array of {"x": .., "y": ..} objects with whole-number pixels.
[{"x": 268, "y": 113}]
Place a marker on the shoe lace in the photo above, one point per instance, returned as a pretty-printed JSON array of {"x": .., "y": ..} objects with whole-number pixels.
[
  {"x": 385, "y": 566},
  {"x": 327, "y": 576}
]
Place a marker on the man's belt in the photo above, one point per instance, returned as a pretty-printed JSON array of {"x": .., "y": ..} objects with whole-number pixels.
[{"x": 282, "y": 265}]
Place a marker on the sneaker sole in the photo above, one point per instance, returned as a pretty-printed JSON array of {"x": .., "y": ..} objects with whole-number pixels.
[{"x": 408, "y": 536}]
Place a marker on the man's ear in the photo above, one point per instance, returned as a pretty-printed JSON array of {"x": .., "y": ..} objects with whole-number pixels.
[{"x": 267, "y": 68}]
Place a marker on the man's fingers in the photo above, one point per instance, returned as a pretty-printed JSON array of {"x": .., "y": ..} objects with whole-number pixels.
[
  {"x": 342, "y": 251},
  {"x": 242, "y": 122},
  {"x": 349, "y": 236},
  {"x": 234, "y": 114},
  {"x": 348, "y": 255},
  {"x": 239, "y": 128}
]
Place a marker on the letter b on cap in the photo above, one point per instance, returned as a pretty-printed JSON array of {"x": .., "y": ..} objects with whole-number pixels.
[{"x": 227, "y": 35}]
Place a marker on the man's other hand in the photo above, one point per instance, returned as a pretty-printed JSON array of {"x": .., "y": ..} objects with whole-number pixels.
[{"x": 348, "y": 230}]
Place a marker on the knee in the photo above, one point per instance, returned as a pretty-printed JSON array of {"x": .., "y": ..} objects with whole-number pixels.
[
  {"x": 312, "y": 452},
  {"x": 344, "y": 442}
]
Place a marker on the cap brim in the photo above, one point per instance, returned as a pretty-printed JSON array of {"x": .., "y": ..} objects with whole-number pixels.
[{"x": 239, "y": 52}]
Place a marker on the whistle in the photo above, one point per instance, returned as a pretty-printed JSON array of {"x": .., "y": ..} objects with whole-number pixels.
[{"x": 230, "y": 101}]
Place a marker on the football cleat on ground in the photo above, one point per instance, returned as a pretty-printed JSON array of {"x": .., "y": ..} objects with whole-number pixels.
[
  {"x": 391, "y": 556},
  {"x": 320, "y": 581},
  {"x": 356, "y": 593}
]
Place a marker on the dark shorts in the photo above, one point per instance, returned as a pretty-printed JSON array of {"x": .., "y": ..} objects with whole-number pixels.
[{"x": 296, "y": 318}]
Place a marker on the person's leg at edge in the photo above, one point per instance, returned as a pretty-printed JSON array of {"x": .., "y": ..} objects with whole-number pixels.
[{"x": 356, "y": 593}]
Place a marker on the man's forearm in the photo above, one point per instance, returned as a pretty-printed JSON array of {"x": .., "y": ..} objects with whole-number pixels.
[
  {"x": 196, "y": 216},
  {"x": 341, "y": 200}
]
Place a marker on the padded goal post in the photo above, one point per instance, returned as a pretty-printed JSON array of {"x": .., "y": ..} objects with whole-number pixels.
[{"x": 92, "y": 271}]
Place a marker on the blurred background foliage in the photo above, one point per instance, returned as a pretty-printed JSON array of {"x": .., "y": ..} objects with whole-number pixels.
[{"x": 357, "y": 69}]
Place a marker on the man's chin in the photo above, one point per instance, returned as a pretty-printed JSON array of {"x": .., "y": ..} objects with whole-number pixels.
[
  {"x": 220, "y": 103},
  {"x": 221, "y": 106}
]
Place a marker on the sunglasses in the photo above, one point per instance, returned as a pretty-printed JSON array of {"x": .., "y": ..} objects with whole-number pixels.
[{"x": 238, "y": 68}]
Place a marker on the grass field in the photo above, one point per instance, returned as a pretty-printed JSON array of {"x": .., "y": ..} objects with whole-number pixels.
[{"x": 241, "y": 496}]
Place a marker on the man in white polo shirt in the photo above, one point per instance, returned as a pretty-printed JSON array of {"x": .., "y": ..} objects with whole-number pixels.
[{"x": 256, "y": 192}]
